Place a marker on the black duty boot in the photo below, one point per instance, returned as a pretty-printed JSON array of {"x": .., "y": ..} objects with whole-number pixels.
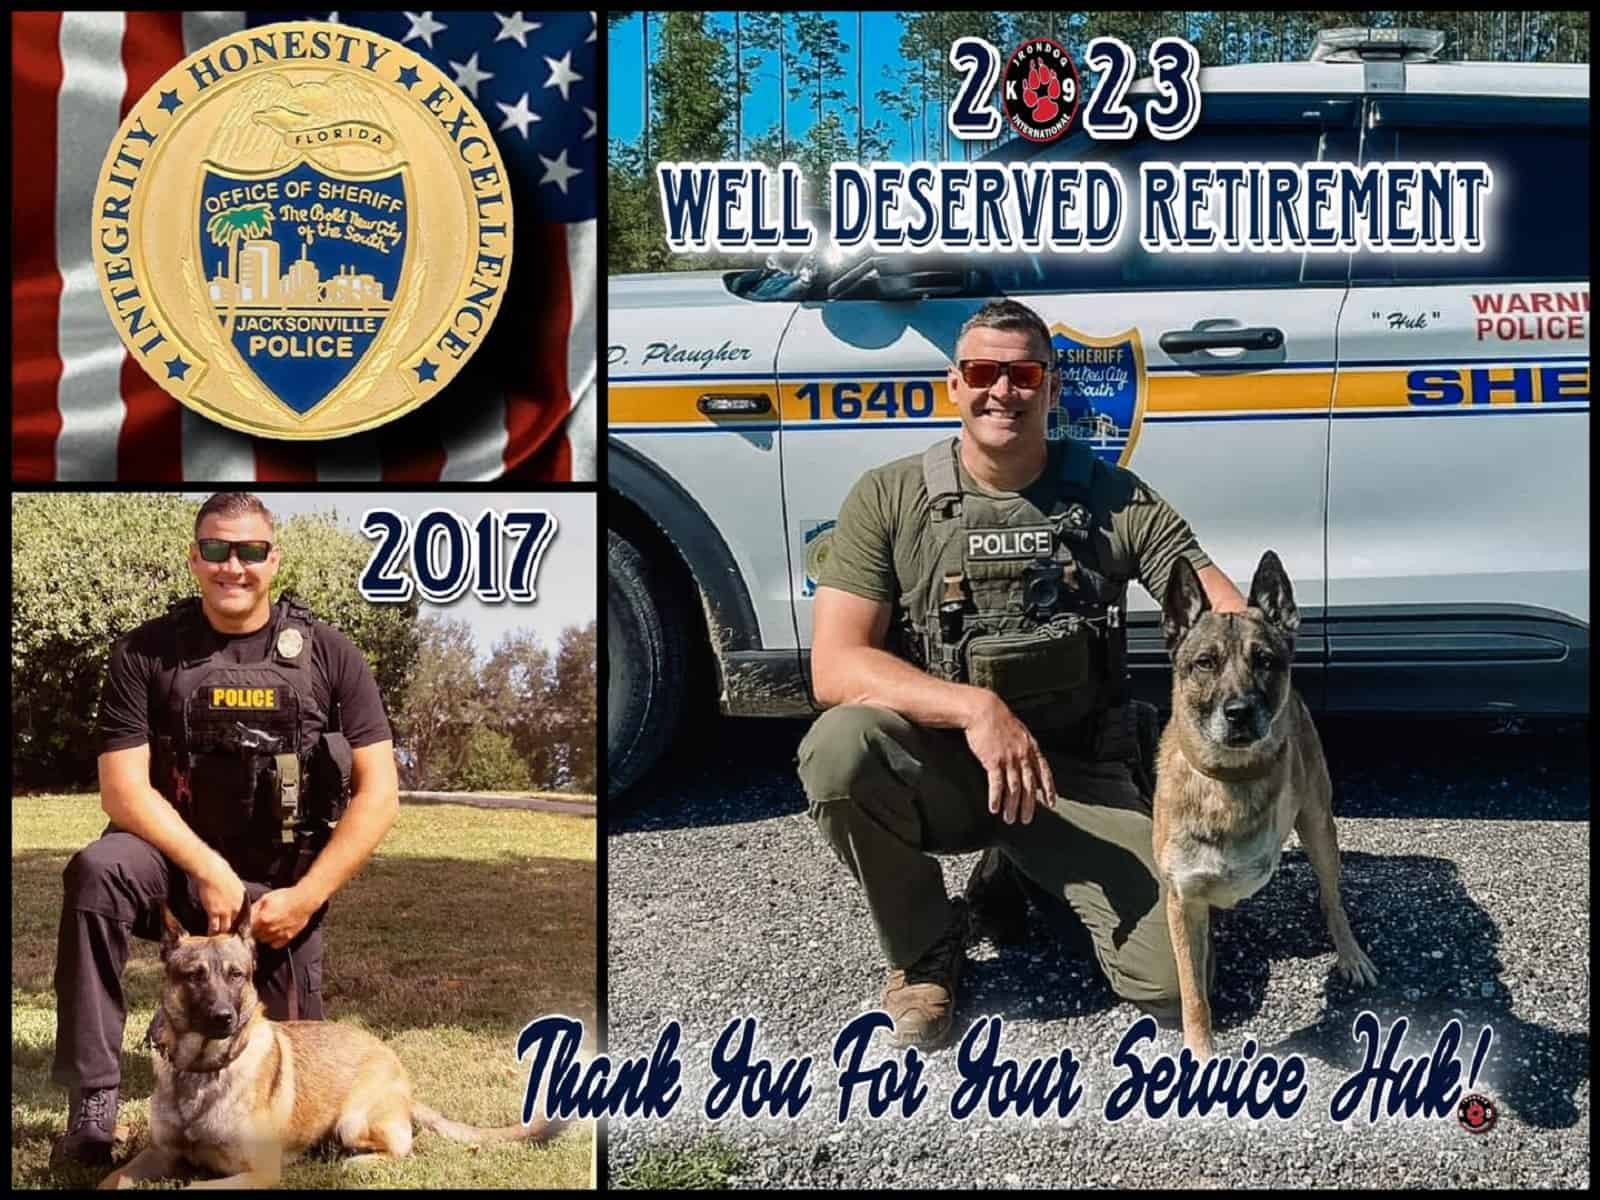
[
  {"x": 91, "y": 1128},
  {"x": 1000, "y": 895},
  {"x": 996, "y": 897}
]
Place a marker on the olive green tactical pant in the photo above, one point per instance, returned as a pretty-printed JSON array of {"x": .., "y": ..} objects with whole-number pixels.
[{"x": 888, "y": 794}]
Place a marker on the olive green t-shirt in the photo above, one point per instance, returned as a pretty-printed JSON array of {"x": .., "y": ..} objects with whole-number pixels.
[{"x": 880, "y": 548}]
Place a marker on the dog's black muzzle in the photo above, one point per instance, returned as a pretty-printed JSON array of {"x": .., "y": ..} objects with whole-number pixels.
[{"x": 1243, "y": 722}]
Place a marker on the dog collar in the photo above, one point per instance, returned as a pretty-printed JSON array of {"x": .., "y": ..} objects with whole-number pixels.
[
  {"x": 1239, "y": 774},
  {"x": 1235, "y": 774}
]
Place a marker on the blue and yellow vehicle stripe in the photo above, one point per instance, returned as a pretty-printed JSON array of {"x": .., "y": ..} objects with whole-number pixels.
[{"x": 1465, "y": 386}]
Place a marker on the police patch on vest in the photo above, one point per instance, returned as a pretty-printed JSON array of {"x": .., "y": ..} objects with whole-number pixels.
[
  {"x": 255, "y": 699},
  {"x": 989, "y": 545}
]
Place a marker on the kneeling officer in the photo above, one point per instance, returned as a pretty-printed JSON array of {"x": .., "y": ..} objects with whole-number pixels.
[
  {"x": 245, "y": 759},
  {"x": 968, "y": 629}
]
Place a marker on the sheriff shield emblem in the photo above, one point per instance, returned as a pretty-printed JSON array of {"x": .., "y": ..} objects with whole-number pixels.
[
  {"x": 1103, "y": 391},
  {"x": 303, "y": 230},
  {"x": 302, "y": 268}
]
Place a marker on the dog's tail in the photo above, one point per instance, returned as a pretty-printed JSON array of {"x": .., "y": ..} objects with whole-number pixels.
[{"x": 536, "y": 1130}]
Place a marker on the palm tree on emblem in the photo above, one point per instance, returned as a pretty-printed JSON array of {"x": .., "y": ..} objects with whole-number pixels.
[{"x": 229, "y": 228}]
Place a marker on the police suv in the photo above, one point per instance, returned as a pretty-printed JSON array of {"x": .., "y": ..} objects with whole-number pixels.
[{"x": 1408, "y": 431}]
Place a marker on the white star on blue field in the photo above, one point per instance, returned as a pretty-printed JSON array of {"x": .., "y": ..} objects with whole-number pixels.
[{"x": 533, "y": 77}]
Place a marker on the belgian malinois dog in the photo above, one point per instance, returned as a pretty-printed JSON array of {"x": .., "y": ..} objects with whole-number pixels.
[
  {"x": 238, "y": 1094},
  {"x": 1240, "y": 764}
]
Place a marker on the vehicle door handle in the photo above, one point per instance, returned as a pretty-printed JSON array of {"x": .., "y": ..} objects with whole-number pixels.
[
  {"x": 738, "y": 404},
  {"x": 1187, "y": 341}
]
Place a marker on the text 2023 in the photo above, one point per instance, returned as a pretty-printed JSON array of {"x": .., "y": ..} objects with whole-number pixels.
[{"x": 1175, "y": 67}]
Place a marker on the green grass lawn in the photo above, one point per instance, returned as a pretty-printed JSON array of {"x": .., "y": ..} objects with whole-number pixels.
[{"x": 466, "y": 924}]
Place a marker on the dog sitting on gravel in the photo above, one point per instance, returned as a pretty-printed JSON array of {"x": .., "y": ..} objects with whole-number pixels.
[{"x": 1240, "y": 765}]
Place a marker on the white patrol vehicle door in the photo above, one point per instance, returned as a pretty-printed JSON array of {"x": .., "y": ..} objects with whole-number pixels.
[
  {"x": 1210, "y": 376},
  {"x": 1458, "y": 515},
  {"x": 690, "y": 399}
]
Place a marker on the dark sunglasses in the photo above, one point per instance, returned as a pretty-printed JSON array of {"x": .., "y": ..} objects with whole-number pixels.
[
  {"x": 982, "y": 372},
  {"x": 215, "y": 550}
]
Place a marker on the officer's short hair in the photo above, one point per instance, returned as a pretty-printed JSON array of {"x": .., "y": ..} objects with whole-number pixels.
[
  {"x": 231, "y": 504},
  {"x": 1009, "y": 314}
]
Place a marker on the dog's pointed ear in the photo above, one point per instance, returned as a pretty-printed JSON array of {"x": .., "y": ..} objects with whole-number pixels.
[
  {"x": 171, "y": 931},
  {"x": 241, "y": 923},
  {"x": 1272, "y": 593},
  {"x": 1185, "y": 601}
]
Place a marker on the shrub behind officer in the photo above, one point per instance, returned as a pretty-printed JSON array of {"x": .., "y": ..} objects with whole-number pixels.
[
  {"x": 245, "y": 759},
  {"x": 967, "y": 629}
]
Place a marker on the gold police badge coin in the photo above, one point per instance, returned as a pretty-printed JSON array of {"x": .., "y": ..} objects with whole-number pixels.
[{"x": 303, "y": 230}]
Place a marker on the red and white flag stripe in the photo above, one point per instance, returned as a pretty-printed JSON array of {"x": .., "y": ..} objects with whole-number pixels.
[{"x": 83, "y": 409}]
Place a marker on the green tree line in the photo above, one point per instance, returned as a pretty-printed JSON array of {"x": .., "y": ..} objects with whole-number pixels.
[
  {"x": 701, "y": 70},
  {"x": 525, "y": 719},
  {"x": 87, "y": 568}
]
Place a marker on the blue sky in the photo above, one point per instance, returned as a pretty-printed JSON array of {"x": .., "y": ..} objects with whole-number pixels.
[{"x": 880, "y": 34}]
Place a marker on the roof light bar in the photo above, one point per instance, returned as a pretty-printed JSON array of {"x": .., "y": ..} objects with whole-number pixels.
[{"x": 1360, "y": 43}]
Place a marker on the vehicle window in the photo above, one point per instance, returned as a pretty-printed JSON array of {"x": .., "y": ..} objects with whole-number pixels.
[
  {"x": 1539, "y": 210},
  {"x": 1128, "y": 267}
]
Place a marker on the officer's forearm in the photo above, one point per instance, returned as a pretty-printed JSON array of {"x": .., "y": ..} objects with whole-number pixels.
[
  {"x": 146, "y": 813},
  {"x": 370, "y": 814},
  {"x": 1220, "y": 591},
  {"x": 865, "y": 675}
]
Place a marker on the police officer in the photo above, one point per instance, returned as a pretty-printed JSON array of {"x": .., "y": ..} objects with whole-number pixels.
[
  {"x": 967, "y": 631},
  {"x": 245, "y": 759}
]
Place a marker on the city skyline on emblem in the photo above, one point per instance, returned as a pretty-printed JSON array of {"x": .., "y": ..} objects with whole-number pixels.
[{"x": 255, "y": 282}]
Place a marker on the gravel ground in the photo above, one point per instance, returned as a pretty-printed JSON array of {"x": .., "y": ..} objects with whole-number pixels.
[{"x": 1466, "y": 877}]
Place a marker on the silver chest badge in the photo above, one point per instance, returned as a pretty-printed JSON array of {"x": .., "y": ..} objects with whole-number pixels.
[{"x": 290, "y": 643}]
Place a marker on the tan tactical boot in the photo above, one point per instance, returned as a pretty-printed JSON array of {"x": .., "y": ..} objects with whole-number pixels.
[{"x": 921, "y": 999}]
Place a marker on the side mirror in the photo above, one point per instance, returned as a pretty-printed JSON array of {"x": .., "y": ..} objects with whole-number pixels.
[{"x": 900, "y": 277}]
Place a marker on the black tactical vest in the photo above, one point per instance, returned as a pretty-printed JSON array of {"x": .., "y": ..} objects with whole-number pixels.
[
  {"x": 1015, "y": 600},
  {"x": 243, "y": 755}
]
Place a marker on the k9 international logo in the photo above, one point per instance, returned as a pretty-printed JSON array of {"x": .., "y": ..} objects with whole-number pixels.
[{"x": 1041, "y": 90}]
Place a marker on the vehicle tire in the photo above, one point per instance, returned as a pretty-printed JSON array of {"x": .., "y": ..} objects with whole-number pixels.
[{"x": 646, "y": 664}]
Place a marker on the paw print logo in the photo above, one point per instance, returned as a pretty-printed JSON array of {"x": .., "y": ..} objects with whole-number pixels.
[
  {"x": 1042, "y": 92},
  {"x": 1476, "y": 1113}
]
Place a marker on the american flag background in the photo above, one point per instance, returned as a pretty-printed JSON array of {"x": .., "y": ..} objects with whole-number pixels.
[{"x": 523, "y": 408}]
